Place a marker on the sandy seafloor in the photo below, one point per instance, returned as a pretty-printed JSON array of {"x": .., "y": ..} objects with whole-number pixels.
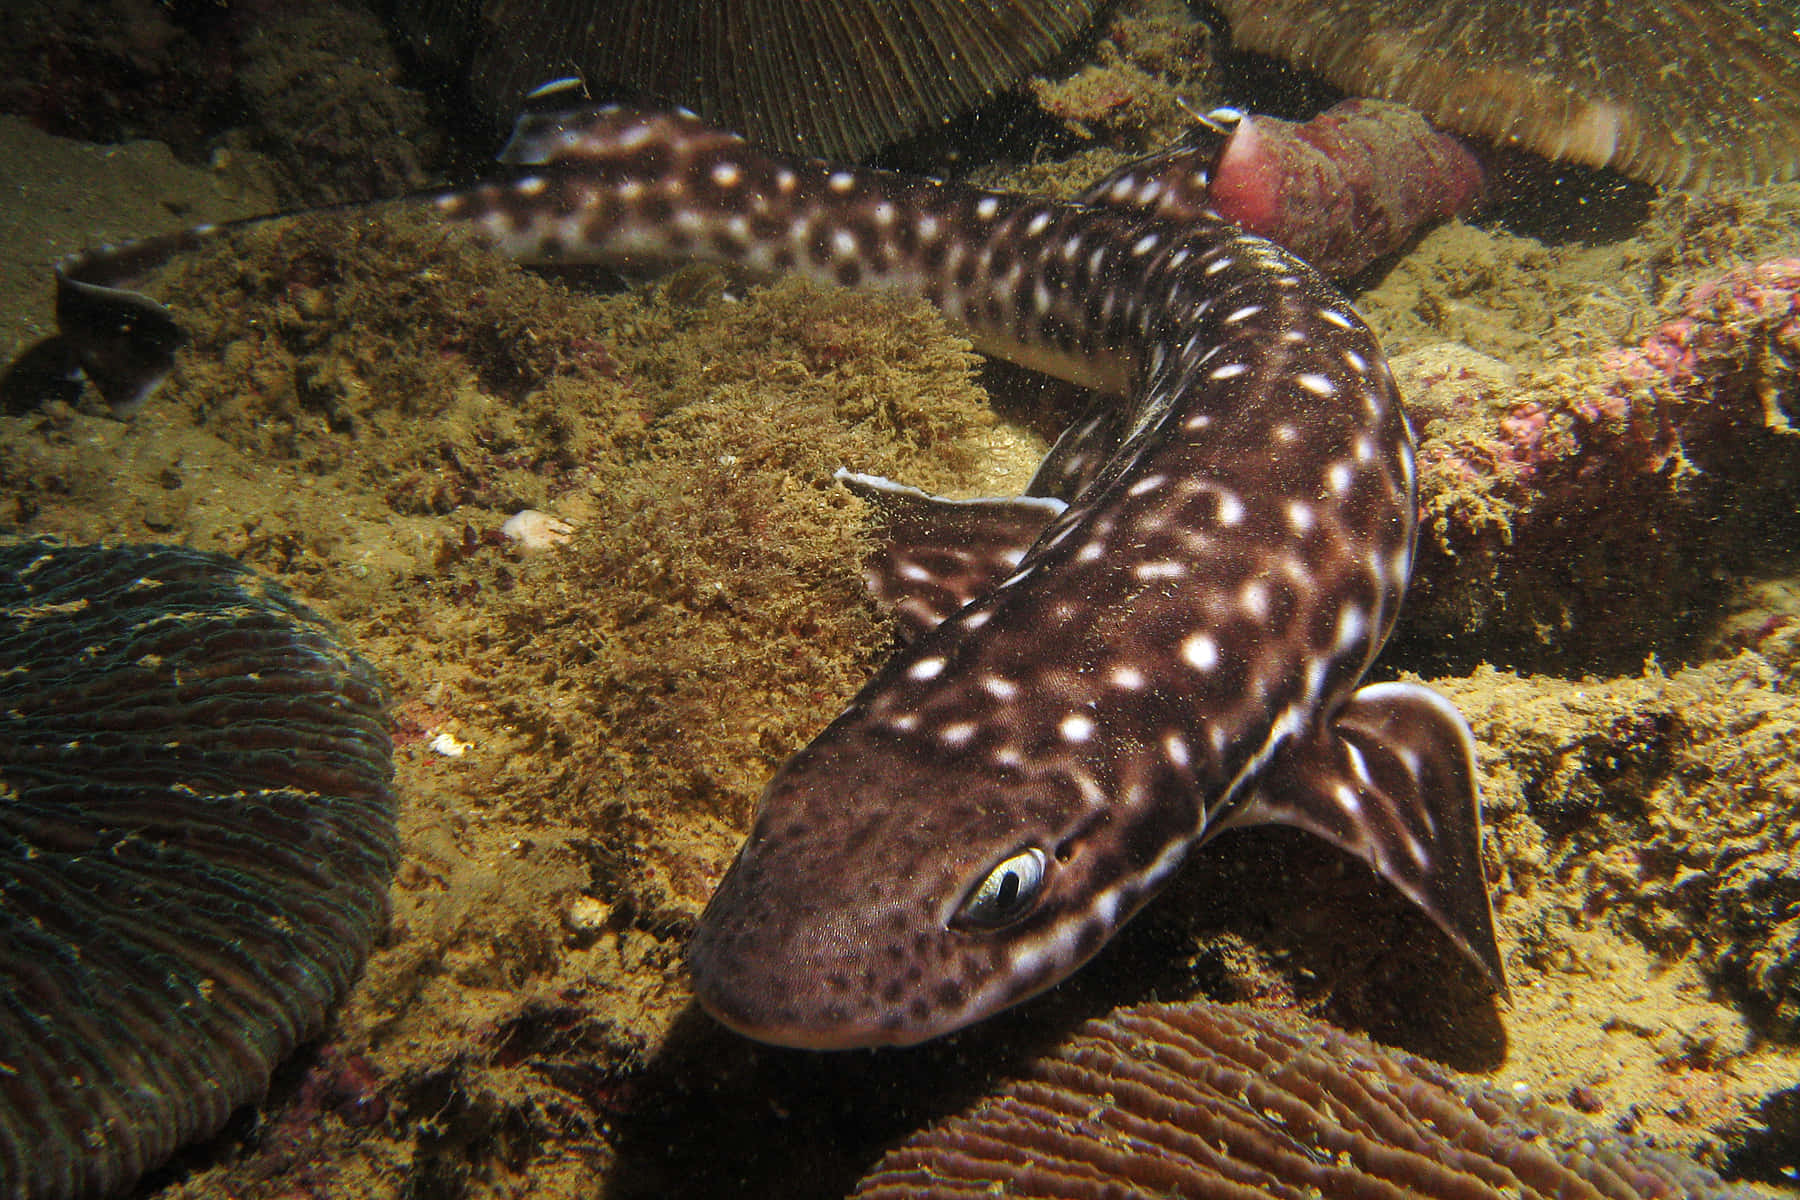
[{"x": 368, "y": 398}]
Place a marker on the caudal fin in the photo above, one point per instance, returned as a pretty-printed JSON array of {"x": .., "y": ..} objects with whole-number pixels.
[{"x": 124, "y": 342}]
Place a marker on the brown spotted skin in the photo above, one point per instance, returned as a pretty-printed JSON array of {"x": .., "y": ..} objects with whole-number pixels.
[
  {"x": 1160, "y": 641},
  {"x": 1163, "y": 639},
  {"x": 1129, "y": 671}
]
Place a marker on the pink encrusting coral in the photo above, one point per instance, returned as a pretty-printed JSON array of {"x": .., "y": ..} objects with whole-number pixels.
[
  {"x": 1350, "y": 186},
  {"x": 1718, "y": 367},
  {"x": 1710, "y": 329},
  {"x": 1563, "y": 496},
  {"x": 1347, "y": 188}
]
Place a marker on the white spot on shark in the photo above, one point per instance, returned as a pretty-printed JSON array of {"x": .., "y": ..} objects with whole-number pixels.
[
  {"x": 1200, "y": 651},
  {"x": 926, "y": 668},
  {"x": 1076, "y": 727},
  {"x": 999, "y": 687}
]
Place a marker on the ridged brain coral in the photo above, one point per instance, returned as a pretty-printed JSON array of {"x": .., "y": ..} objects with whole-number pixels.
[
  {"x": 1679, "y": 93},
  {"x": 196, "y": 835},
  {"x": 833, "y": 78},
  {"x": 1218, "y": 1102}
]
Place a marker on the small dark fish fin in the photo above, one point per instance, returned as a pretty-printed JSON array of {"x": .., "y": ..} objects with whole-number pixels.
[
  {"x": 124, "y": 342},
  {"x": 1392, "y": 781},
  {"x": 1084, "y": 447},
  {"x": 939, "y": 554}
]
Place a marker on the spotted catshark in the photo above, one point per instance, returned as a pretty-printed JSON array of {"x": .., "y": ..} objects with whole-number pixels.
[{"x": 1163, "y": 639}]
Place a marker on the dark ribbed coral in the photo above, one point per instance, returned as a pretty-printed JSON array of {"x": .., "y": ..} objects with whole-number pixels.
[
  {"x": 1674, "y": 92},
  {"x": 196, "y": 833},
  {"x": 1211, "y": 1101},
  {"x": 833, "y": 78}
]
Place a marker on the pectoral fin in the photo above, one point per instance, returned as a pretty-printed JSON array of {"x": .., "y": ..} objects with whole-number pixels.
[
  {"x": 940, "y": 554},
  {"x": 1391, "y": 779}
]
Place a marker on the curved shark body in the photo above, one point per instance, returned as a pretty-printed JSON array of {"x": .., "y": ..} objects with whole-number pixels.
[{"x": 1163, "y": 639}]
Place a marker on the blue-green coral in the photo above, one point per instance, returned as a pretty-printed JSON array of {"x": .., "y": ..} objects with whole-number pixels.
[{"x": 196, "y": 833}]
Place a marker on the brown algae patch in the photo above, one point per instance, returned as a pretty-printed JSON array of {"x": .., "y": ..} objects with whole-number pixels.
[
  {"x": 581, "y": 733},
  {"x": 1152, "y": 68},
  {"x": 1153, "y": 61}
]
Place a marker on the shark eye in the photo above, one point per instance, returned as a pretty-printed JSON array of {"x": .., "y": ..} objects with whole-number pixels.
[{"x": 1006, "y": 893}]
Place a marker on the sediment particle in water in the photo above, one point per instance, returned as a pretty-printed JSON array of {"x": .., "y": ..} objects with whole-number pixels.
[{"x": 196, "y": 836}]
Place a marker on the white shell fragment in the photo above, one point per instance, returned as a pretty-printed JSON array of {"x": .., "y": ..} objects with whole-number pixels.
[{"x": 535, "y": 531}]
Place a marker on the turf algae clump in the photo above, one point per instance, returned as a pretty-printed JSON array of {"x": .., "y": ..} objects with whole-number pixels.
[{"x": 196, "y": 835}]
